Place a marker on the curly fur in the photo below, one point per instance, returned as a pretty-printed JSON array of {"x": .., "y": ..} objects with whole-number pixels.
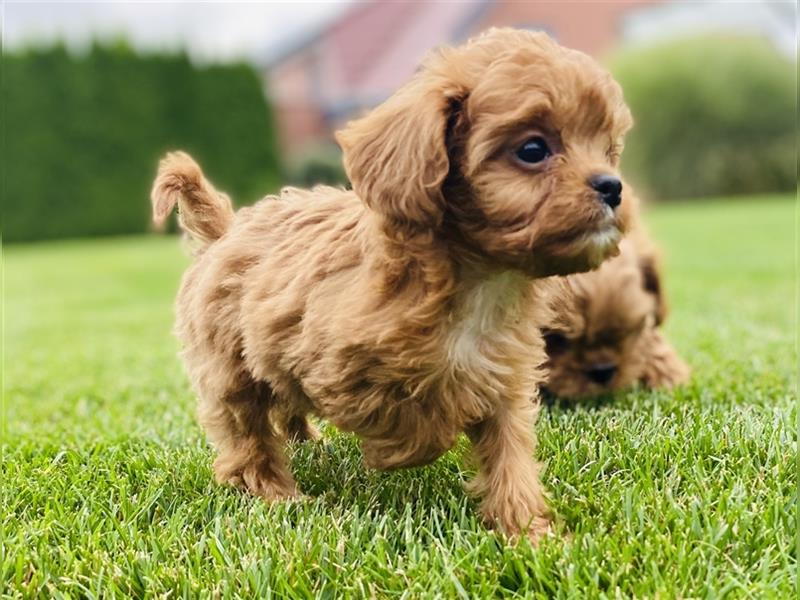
[{"x": 404, "y": 310}]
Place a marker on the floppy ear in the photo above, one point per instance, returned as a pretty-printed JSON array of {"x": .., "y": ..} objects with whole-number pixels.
[
  {"x": 651, "y": 281},
  {"x": 396, "y": 156}
]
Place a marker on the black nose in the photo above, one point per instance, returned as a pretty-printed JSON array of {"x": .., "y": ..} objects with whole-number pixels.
[
  {"x": 601, "y": 373},
  {"x": 609, "y": 188}
]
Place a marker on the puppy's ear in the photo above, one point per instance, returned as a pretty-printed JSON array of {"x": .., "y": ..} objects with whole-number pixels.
[
  {"x": 650, "y": 267},
  {"x": 396, "y": 156}
]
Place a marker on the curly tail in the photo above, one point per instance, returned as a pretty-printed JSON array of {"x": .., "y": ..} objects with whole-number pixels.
[{"x": 203, "y": 212}]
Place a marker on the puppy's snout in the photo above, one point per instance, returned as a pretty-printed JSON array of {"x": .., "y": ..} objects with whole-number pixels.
[
  {"x": 601, "y": 373},
  {"x": 608, "y": 187}
]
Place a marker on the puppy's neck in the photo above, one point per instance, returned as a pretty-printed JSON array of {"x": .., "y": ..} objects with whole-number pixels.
[
  {"x": 439, "y": 259},
  {"x": 483, "y": 291}
]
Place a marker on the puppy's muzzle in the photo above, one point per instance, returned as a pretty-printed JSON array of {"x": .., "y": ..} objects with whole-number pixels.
[
  {"x": 601, "y": 373},
  {"x": 608, "y": 188}
]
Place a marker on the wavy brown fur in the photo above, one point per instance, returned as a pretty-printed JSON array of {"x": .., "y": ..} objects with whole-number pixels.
[{"x": 405, "y": 310}]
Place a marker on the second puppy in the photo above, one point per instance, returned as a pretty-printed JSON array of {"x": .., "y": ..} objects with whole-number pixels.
[{"x": 603, "y": 332}]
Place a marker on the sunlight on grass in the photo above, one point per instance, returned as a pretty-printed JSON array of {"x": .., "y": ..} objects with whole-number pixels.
[{"x": 107, "y": 488}]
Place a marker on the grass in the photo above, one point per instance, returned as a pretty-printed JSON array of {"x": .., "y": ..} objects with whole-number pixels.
[{"x": 107, "y": 489}]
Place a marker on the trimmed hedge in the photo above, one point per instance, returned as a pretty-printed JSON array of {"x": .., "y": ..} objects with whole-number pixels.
[
  {"x": 714, "y": 116},
  {"x": 83, "y": 134}
]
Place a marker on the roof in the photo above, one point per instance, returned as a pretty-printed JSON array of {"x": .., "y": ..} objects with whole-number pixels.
[{"x": 363, "y": 55}]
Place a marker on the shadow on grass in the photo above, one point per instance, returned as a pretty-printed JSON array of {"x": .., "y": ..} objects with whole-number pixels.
[
  {"x": 552, "y": 402},
  {"x": 332, "y": 470}
]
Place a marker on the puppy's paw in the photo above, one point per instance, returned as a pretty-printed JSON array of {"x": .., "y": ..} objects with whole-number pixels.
[
  {"x": 666, "y": 370},
  {"x": 529, "y": 519},
  {"x": 537, "y": 529},
  {"x": 269, "y": 487},
  {"x": 261, "y": 478},
  {"x": 679, "y": 373}
]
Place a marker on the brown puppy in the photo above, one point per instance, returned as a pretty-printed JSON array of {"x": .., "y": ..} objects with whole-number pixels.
[
  {"x": 402, "y": 311},
  {"x": 603, "y": 331}
]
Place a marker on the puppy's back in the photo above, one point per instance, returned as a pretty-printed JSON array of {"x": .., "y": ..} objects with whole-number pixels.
[{"x": 274, "y": 255}]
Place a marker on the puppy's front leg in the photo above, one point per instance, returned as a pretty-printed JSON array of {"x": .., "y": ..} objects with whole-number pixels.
[{"x": 508, "y": 479}]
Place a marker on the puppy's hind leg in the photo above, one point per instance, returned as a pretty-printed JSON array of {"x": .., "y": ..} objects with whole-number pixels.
[
  {"x": 508, "y": 477},
  {"x": 250, "y": 450},
  {"x": 293, "y": 418},
  {"x": 300, "y": 429}
]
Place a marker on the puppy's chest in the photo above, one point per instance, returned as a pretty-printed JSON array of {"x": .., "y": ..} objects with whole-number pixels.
[{"x": 489, "y": 336}]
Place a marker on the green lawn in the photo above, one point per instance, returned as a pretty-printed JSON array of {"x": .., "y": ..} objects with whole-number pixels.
[{"x": 107, "y": 487}]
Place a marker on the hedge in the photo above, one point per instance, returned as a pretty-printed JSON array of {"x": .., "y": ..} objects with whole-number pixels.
[
  {"x": 83, "y": 134},
  {"x": 715, "y": 116}
]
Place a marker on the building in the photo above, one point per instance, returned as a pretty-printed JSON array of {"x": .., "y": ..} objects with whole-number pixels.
[{"x": 360, "y": 58}]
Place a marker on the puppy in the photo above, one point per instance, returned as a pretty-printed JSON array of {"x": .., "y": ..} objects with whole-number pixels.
[
  {"x": 603, "y": 331},
  {"x": 402, "y": 310}
]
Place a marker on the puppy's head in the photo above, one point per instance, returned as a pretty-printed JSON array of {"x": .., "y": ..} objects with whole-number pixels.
[
  {"x": 509, "y": 145},
  {"x": 601, "y": 322}
]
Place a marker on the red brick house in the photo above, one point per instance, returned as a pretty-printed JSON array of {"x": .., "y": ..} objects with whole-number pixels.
[{"x": 359, "y": 59}]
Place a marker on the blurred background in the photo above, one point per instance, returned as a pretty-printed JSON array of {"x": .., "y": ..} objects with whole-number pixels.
[{"x": 94, "y": 93}]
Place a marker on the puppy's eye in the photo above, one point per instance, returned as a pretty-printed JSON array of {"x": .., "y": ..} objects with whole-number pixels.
[
  {"x": 555, "y": 342},
  {"x": 535, "y": 150}
]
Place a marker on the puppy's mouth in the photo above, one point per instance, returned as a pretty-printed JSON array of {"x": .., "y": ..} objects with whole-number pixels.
[
  {"x": 598, "y": 244},
  {"x": 577, "y": 252},
  {"x": 602, "y": 243}
]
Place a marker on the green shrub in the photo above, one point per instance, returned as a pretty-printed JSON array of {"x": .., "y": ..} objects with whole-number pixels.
[
  {"x": 83, "y": 135},
  {"x": 714, "y": 116}
]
